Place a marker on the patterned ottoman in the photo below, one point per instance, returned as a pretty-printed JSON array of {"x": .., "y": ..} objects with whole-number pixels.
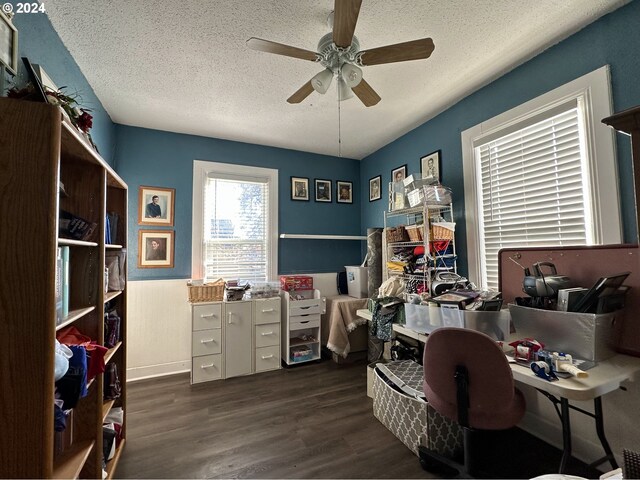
[{"x": 399, "y": 403}]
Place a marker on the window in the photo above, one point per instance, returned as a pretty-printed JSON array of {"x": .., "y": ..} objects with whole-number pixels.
[
  {"x": 235, "y": 222},
  {"x": 542, "y": 174}
]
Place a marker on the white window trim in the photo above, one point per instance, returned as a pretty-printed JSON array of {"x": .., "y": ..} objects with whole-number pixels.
[
  {"x": 595, "y": 89},
  {"x": 201, "y": 170}
]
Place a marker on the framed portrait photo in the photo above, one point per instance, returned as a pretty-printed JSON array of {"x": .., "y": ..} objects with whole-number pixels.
[
  {"x": 156, "y": 205},
  {"x": 155, "y": 248},
  {"x": 430, "y": 165},
  {"x": 344, "y": 192},
  {"x": 375, "y": 188},
  {"x": 8, "y": 44},
  {"x": 300, "y": 188},
  {"x": 399, "y": 174},
  {"x": 323, "y": 190}
]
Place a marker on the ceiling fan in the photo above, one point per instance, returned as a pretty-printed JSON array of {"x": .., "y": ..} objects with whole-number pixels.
[{"x": 339, "y": 52}]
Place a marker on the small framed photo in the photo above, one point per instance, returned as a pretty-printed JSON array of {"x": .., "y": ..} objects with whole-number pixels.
[
  {"x": 430, "y": 165},
  {"x": 156, "y": 205},
  {"x": 300, "y": 188},
  {"x": 155, "y": 248},
  {"x": 344, "y": 191},
  {"x": 375, "y": 190},
  {"x": 8, "y": 44},
  {"x": 399, "y": 174},
  {"x": 323, "y": 190}
]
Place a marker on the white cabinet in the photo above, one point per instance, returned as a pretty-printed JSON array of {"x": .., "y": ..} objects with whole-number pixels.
[
  {"x": 230, "y": 339},
  {"x": 237, "y": 339},
  {"x": 301, "y": 326},
  {"x": 432, "y": 227}
]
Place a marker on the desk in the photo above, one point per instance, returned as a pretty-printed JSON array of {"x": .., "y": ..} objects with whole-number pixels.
[{"x": 607, "y": 376}]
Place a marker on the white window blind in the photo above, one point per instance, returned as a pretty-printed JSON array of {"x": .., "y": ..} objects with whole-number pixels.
[
  {"x": 533, "y": 188},
  {"x": 236, "y": 228}
]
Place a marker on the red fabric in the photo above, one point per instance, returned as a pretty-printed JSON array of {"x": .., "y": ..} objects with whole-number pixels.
[{"x": 72, "y": 336}]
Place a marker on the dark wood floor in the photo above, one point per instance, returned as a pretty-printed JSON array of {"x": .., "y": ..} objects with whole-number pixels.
[{"x": 309, "y": 421}]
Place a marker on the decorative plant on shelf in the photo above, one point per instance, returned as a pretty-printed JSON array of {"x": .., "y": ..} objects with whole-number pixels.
[{"x": 79, "y": 116}]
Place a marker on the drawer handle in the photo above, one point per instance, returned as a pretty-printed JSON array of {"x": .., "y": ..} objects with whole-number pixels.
[
  {"x": 230, "y": 321},
  {"x": 306, "y": 321},
  {"x": 208, "y": 366},
  {"x": 208, "y": 340},
  {"x": 305, "y": 308},
  {"x": 266, "y": 357},
  {"x": 208, "y": 315},
  {"x": 264, "y": 334},
  {"x": 267, "y": 310}
]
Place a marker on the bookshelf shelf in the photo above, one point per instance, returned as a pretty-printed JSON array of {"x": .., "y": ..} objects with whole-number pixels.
[
  {"x": 36, "y": 137},
  {"x": 71, "y": 463},
  {"x": 77, "y": 243},
  {"x": 111, "y": 464},
  {"x": 111, "y": 352},
  {"x": 111, "y": 295},
  {"x": 106, "y": 407}
]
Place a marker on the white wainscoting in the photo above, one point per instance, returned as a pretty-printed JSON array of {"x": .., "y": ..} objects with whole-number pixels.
[
  {"x": 159, "y": 325},
  {"x": 158, "y": 328}
]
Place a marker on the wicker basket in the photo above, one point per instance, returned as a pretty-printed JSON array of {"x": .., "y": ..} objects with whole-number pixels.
[
  {"x": 397, "y": 234},
  {"x": 443, "y": 230},
  {"x": 416, "y": 232},
  {"x": 206, "y": 293}
]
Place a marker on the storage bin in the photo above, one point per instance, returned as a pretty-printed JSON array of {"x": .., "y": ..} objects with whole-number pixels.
[
  {"x": 206, "y": 293},
  {"x": 437, "y": 195},
  {"x": 406, "y": 413},
  {"x": 426, "y": 319},
  {"x": 442, "y": 230},
  {"x": 396, "y": 234},
  {"x": 296, "y": 282},
  {"x": 586, "y": 336},
  {"x": 358, "y": 281},
  {"x": 415, "y": 232}
]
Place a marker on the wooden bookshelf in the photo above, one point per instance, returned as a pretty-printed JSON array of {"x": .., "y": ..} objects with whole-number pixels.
[{"x": 38, "y": 149}]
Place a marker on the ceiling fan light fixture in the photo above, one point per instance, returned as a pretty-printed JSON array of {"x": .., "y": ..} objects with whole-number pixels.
[
  {"x": 344, "y": 90},
  {"x": 351, "y": 74},
  {"x": 322, "y": 80}
]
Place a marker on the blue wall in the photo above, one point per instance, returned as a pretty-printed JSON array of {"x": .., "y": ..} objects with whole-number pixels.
[
  {"x": 614, "y": 39},
  {"x": 39, "y": 42},
  {"x": 164, "y": 159}
]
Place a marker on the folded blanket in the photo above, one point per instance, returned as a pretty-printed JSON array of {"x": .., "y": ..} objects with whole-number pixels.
[{"x": 342, "y": 321}]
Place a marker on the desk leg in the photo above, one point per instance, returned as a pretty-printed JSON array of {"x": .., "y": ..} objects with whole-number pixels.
[
  {"x": 566, "y": 433},
  {"x": 597, "y": 409}
]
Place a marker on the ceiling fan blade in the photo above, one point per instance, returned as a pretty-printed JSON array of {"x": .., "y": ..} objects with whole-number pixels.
[
  {"x": 366, "y": 94},
  {"x": 400, "y": 52},
  {"x": 281, "y": 49},
  {"x": 302, "y": 93},
  {"x": 345, "y": 16}
]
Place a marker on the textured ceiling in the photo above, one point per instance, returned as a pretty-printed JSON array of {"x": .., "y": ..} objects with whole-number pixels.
[{"x": 183, "y": 66}]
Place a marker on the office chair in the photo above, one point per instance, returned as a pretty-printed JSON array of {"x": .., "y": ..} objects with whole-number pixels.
[{"x": 467, "y": 379}]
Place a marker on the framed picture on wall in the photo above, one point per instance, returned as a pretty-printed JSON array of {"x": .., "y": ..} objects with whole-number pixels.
[
  {"x": 375, "y": 190},
  {"x": 300, "y": 188},
  {"x": 155, "y": 206},
  {"x": 323, "y": 190},
  {"x": 399, "y": 174},
  {"x": 430, "y": 165},
  {"x": 8, "y": 45},
  {"x": 155, "y": 248},
  {"x": 344, "y": 191}
]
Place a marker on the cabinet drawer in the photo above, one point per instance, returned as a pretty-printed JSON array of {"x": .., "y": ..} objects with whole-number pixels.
[
  {"x": 206, "y": 342},
  {"x": 267, "y": 358},
  {"x": 267, "y": 335},
  {"x": 206, "y": 316},
  {"x": 304, "y": 321},
  {"x": 267, "y": 311},
  {"x": 305, "y": 307},
  {"x": 208, "y": 367}
]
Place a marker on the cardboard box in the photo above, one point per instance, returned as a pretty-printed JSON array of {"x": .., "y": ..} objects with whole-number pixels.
[
  {"x": 296, "y": 282},
  {"x": 586, "y": 336}
]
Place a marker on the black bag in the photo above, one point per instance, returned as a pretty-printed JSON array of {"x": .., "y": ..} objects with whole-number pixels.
[
  {"x": 111, "y": 329},
  {"x": 343, "y": 287},
  {"x": 112, "y": 387}
]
